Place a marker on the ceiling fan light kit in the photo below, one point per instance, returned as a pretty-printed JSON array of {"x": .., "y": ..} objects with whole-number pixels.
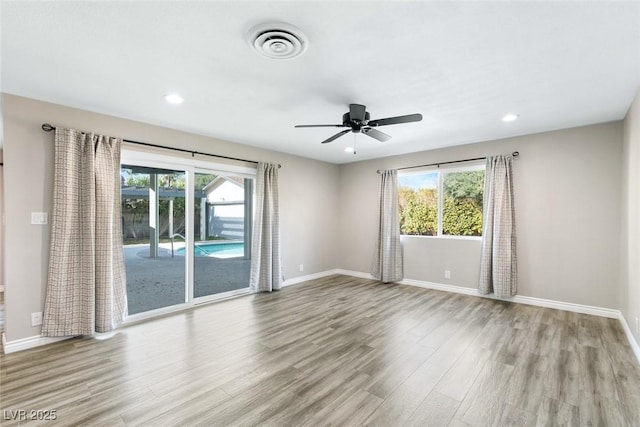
[
  {"x": 277, "y": 40},
  {"x": 357, "y": 119}
]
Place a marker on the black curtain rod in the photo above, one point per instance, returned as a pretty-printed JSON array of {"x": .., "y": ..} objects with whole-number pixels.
[
  {"x": 514, "y": 154},
  {"x": 48, "y": 128}
]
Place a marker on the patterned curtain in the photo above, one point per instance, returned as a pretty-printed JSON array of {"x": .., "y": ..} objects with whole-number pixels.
[
  {"x": 498, "y": 267},
  {"x": 266, "y": 269},
  {"x": 387, "y": 260},
  {"x": 86, "y": 287}
]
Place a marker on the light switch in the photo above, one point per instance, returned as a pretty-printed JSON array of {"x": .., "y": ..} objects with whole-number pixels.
[{"x": 39, "y": 218}]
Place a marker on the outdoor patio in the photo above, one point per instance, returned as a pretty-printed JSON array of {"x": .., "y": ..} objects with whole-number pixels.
[{"x": 160, "y": 282}]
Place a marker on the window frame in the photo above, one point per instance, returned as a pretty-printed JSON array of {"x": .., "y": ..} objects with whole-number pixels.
[
  {"x": 442, "y": 170},
  {"x": 147, "y": 158}
]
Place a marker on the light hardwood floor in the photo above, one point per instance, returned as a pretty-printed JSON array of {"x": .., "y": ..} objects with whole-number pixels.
[{"x": 338, "y": 351}]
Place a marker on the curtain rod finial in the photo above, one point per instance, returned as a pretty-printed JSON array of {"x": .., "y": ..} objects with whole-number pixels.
[
  {"x": 515, "y": 154},
  {"x": 47, "y": 127}
]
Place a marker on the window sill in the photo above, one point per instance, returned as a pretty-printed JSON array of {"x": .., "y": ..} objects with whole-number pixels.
[{"x": 413, "y": 236}]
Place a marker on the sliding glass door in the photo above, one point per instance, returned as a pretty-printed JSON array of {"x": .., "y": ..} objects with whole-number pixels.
[
  {"x": 153, "y": 228},
  {"x": 221, "y": 233},
  {"x": 186, "y": 227}
]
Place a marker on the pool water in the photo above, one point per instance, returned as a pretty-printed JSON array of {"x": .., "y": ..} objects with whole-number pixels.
[{"x": 225, "y": 250}]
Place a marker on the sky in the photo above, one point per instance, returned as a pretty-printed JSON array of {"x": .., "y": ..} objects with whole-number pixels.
[{"x": 419, "y": 180}]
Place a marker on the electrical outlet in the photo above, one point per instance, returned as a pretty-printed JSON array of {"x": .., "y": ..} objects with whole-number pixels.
[
  {"x": 447, "y": 274},
  {"x": 39, "y": 218},
  {"x": 301, "y": 267},
  {"x": 36, "y": 318}
]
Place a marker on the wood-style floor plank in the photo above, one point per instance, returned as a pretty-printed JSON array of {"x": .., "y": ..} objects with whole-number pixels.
[
  {"x": 434, "y": 411},
  {"x": 553, "y": 412},
  {"x": 337, "y": 351}
]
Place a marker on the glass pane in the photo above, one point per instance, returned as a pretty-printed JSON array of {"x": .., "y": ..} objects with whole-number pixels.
[
  {"x": 418, "y": 197},
  {"x": 222, "y": 233},
  {"x": 153, "y": 211},
  {"x": 462, "y": 210}
]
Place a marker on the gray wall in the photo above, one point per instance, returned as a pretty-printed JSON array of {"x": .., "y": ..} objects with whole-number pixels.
[
  {"x": 568, "y": 197},
  {"x": 1, "y": 222},
  {"x": 308, "y": 191},
  {"x": 630, "y": 268}
]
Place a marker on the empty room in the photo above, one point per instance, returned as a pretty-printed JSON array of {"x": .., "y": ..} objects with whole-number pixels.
[{"x": 321, "y": 213}]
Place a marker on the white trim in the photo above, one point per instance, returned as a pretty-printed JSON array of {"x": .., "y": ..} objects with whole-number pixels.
[
  {"x": 31, "y": 342},
  {"x": 206, "y": 299},
  {"x": 440, "y": 287},
  {"x": 632, "y": 341},
  {"x": 189, "y": 241},
  {"x": 145, "y": 157},
  {"x": 158, "y": 312},
  {"x": 539, "y": 302},
  {"x": 300, "y": 279},
  {"x": 444, "y": 236},
  {"x": 177, "y": 308},
  {"x": 148, "y": 158},
  {"x": 567, "y": 306},
  {"x": 440, "y": 203},
  {"x": 37, "y": 341},
  {"x": 477, "y": 165},
  {"x": 519, "y": 299},
  {"x": 355, "y": 274}
]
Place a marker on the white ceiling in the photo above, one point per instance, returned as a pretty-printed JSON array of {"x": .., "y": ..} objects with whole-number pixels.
[{"x": 462, "y": 65}]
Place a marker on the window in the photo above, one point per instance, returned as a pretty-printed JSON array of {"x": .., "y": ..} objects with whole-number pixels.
[
  {"x": 442, "y": 202},
  {"x": 186, "y": 231}
]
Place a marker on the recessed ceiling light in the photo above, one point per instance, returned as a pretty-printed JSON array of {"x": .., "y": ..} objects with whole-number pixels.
[
  {"x": 349, "y": 150},
  {"x": 173, "y": 98},
  {"x": 510, "y": 117}
]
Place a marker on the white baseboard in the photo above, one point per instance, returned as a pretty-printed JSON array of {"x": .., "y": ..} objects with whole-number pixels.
[
  {"x": 36, "y": 341},
  {"x": 540, "y": 302},
  {"x": 30, "y": 342},
  {"x": 440, "y": 287},
  {"x": 568, "y": 306},
  {"x": 632, "y": 341},
  {"x": 300, "y": 279},
  {"x": 355, "y": 274}
]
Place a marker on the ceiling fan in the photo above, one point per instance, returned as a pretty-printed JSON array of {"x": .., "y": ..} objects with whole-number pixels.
[{"x": 357, "y": 120}]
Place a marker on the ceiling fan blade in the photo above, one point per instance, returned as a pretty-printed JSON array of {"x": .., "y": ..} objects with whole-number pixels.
[
  {"x": 336, "y": 136},
  {"x": 320, "y": 126},
  {"x": 357, "y": 112},
  {"x": 376, "y": 134},
  {"x": 396, "y": 120}
]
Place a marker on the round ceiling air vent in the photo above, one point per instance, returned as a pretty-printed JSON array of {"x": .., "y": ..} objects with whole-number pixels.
[{"x": 277, "y": 41}]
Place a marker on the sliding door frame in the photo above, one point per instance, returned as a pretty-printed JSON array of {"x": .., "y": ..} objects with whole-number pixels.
[
  {"x": 229, "y": 294},
  {"x": 138, "y": 157}
]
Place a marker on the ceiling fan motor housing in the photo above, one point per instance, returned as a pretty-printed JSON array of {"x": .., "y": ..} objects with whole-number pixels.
[
  {"x": 356, "y": 125},
  {"x": 357, "y": 120}
]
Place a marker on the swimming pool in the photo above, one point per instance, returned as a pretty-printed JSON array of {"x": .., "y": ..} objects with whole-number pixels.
[{"x": 217, "y": 249}]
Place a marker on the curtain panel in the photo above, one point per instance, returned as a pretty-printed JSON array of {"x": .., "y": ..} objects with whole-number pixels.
[
  {"x": 498, "y": 265},
  {"x": 387, "y": 260},
  {"x": 86, "y": 285},
  {"x": 266, "y": 263}
]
